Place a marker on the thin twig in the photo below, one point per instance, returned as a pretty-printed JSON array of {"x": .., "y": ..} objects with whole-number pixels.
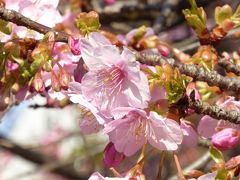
[
  {"x": 199, "y": 164},
  {"x": 179, "y": 169}
]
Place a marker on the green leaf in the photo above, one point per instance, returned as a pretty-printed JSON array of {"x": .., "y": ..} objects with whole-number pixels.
[
  {"x": 222, "y": 13},
  {"x": 196, "y": 18},
  {"x": 197, "y": 11},
  {"x": 216, "y": 155},
  {"x": 175, "y": 88},
  {"x": 87, "y": 22}
]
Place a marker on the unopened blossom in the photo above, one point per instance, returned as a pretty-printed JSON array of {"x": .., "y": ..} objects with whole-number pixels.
[
  {"x": 130, "y": 132},
  {"x": 226, "y": 139},
  {"x": 111, "y": 157},
  {"x": 114, "y": 78}
]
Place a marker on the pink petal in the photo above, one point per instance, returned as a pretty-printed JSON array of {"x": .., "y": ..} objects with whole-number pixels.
[
  {"x": 122, "y": 133},
  {"x": 190, "y": 138},
  {"x": 165, "y": 134},
  {"x": 207, "y": 126}
]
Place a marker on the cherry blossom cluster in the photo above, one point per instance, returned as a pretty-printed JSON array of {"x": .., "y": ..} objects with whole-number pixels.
[{"x": 133, "y": 103}]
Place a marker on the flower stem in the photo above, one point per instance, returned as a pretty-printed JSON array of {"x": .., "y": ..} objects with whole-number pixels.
[{"x": 179, "y": 169}]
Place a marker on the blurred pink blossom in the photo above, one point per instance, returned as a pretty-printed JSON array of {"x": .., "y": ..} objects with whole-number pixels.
[
  {"x": 126, "y": 39},
  {"x": 109, "y": 2},
  {"x": 42, "y": 11}
]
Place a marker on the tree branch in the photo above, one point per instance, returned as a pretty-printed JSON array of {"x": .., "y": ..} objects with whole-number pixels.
[
  {"x": 229, "y": 66},
  {"x": 39, "y": 159},
  {"x": 20, "y": 20},
  {"x": 214, "y": 111},
  {"x": 197, "y": 73}
]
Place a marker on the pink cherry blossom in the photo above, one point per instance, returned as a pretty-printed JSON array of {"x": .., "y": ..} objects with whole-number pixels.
[
  {"x": 226, "y": 139},
  {"x": 132, "y": 131},
  {"x": 114, "y": 79}
]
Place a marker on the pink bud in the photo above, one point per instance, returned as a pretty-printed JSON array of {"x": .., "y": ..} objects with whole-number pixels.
[
  {"x": 55, "y": 82},
  {"x": 112, "y": 158},
  {"x": 74, "y": 44},
  {"x": 163, "y": 50},
  {"x": 225, "y": 139},
  {"x": 109, "y": 2},
  {"x": 64, "y": 78}
]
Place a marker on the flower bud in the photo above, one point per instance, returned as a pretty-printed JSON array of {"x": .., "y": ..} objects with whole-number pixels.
[
  {"x": 74, "y": 44},
  {"x": 55, "y": 82},
  {"x": 64, "y": 78},
  {"x": 38, "y": 83},
  {"x": 226, "y": 139},
  {"x": 112, "y": 158},
  {"x": 163, "y": 50}
]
